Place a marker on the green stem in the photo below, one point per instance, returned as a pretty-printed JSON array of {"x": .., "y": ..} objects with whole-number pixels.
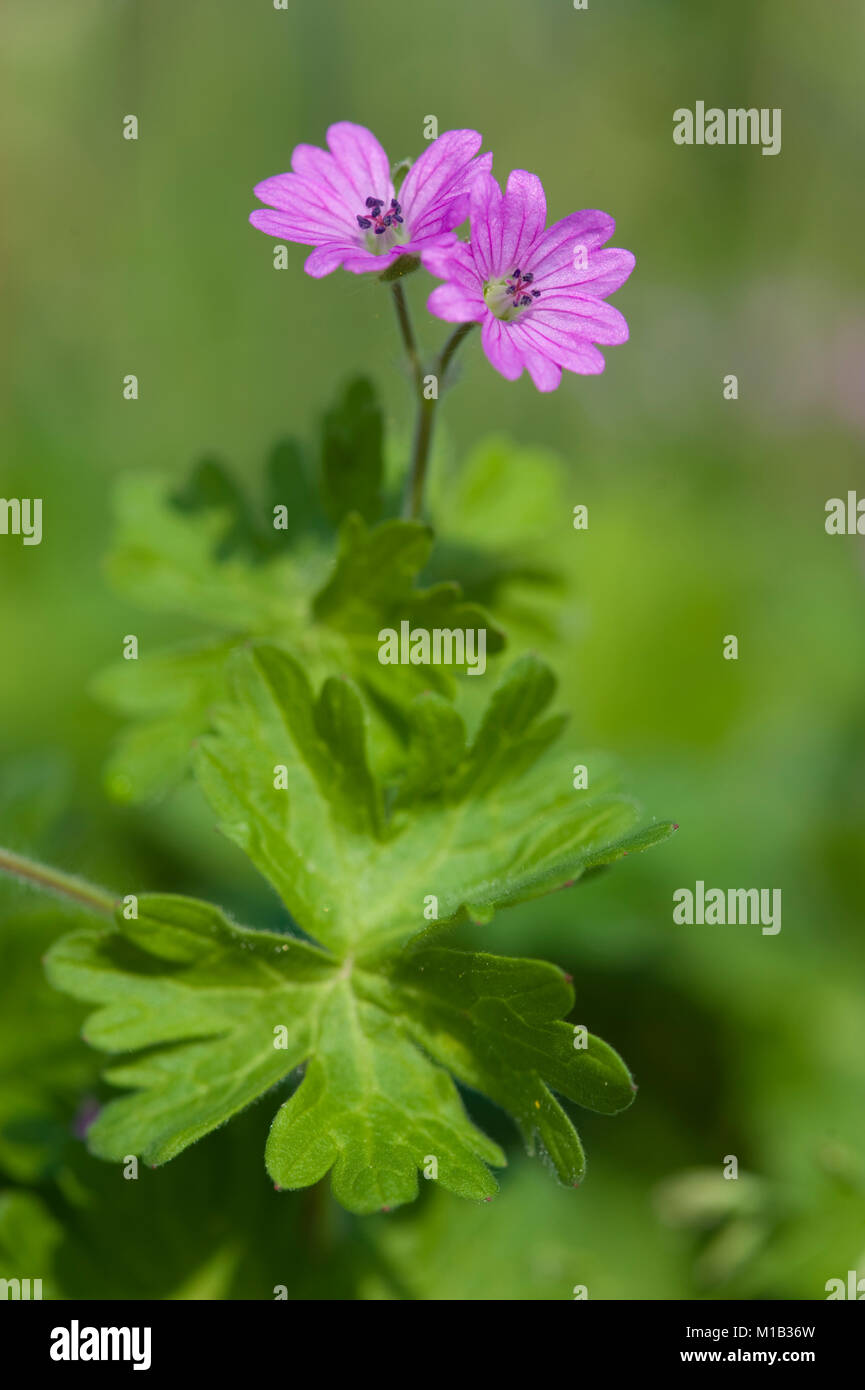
[
  {"x": 424, "y": 428},
  {"x": 408, "y": 337},
  {"x": 50, "y": 880}
]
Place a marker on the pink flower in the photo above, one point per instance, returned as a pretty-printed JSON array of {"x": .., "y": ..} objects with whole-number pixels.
[
  {"x": 343, "y": 202},
  {"x": 538, "y": 294}
]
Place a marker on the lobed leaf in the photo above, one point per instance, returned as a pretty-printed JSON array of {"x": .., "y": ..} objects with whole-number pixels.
[
  {"x": 473, "y": 826},
  {"x": 212, "y": 1016},
  {"x": 372, "y": 1023}
]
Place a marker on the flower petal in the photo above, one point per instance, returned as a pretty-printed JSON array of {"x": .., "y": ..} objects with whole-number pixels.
[
  {"x": 544, "y": 372},
  {"x": 524, "y": 214},
  {"x": 533, "y": 334},
  {"x": 555, "y": 247},
  {"x": 319, "y": 167},
  {"x": 580, "y": 315},
  {"x": 325, "y": 259},
  {"x": 362, "y": 160},
  {"x": 433, "y": 250},
  {"x": 308, "y": 212},
  {"x": 281, "y": 224},
  {"x": 603, "y": 273},
  {"x": 502, "y": 347},
  {"x": 455, "y": 304},
  {"x": 453, "y": 261},
  {"x": 486, "y": 225},
  {"x": 443, "y": 172}
]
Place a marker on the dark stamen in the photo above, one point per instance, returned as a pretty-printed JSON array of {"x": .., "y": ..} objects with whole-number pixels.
[
  {"x": 378, "y": 220},
  {"x": 516, "y": 286}
]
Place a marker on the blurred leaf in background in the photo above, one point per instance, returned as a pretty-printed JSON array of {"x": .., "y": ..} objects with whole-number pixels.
[{"x": 270, "y": 569}]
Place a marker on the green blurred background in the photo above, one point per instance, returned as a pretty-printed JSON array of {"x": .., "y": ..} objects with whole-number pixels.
[{"x": 706, "y": 518}]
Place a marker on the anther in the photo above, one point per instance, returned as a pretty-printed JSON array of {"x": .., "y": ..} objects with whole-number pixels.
[{"x": 378, "y": 220}]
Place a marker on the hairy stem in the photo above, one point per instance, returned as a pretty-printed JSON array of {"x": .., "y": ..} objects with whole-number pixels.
[
  {"x": 424, "y": 428},
  {"x": 407, "y": 332},
  {"x": 50, "y": 880}
]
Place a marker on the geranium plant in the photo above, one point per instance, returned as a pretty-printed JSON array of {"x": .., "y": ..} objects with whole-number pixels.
[{"x": 384, "y": 806}]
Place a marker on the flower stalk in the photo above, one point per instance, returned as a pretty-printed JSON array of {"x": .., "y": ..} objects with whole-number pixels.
[
  {"x": 424, "y": 427},
  {"x": 407, "y": 333},
  {"x": 49, "y": 880}
]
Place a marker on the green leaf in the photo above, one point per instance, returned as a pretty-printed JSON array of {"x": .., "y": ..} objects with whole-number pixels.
[
  {"x": 45, "y": 1069},
  {"x": 496, "y": 1024},
  {"x": 373, "y": 588},
  {"x": 381, "y": 1019},
  {"x": 329, "y": 613},
  {"x": 373, "y": 568},
  {"x": 182, "y": 971},
  {"x": 168, "y": 697},
  {"x": 504, "y": 518},
  {"x": 351, "y": 453},
  {"x": 374, "y": 580},
  {"x": 167, "y": 560},
  {"x": 497, "y": 822},
  {"x": 289, "y": 485},
  {"x": 373, "y": 1108},
  {"x": 199, "y": 1004},
  {"x": 211, "y": 487}
]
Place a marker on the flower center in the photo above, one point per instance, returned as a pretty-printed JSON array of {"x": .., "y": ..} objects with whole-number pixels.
[
  {"x": 381, "y": 225},
  {"x": 508, "y": 296}
]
